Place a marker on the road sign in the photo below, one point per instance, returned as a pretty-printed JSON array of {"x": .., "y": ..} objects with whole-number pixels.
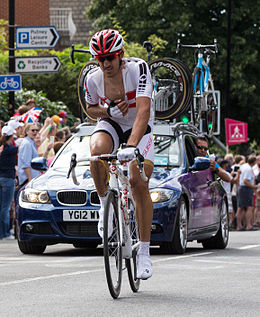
[
  {"x": 36, "y": 37},
  {"x": 10, "y": 82},
  {"x": 236, "y": 131},
  {"x": 37, "y": 64}
]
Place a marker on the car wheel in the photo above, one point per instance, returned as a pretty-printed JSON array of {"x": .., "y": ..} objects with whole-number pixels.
[
  {"x": 180, "y": 237},
  {"x": 27, "y": 247},
  {"x": 85, "y": 245},
  {"x": 220, "y": 240}
]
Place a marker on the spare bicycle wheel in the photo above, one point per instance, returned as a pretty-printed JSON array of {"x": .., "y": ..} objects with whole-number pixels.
[
  {"x": 81, "y": 90},
  {"x": 171, "y": 87}
]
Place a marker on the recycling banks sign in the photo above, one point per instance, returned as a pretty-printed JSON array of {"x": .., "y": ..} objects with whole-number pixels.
[
  {"x": 37, "y": 64},
  {"x": 30, "y": 37},
  {"x": 236, "y": 131}
]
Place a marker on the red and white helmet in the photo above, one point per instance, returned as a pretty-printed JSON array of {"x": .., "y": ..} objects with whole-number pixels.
[{"x": 105, "y": 42}]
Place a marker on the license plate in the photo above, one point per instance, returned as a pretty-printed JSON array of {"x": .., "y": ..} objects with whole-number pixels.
[{"x": 80, "y": 215}]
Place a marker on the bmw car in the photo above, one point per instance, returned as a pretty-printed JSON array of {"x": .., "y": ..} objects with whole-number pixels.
[{"x": 189, "y": 202}]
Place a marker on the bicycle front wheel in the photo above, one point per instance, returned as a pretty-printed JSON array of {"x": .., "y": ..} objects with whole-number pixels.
[
  {"x": 131, "y": 263},
  {"x": 112, "y": 246}
]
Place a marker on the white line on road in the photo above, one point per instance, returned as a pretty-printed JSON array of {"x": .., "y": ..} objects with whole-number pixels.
[
  {"x": 182, "y": 257},
  {"x": 32, "y": 279},
  {"x": 26, "y": 280},
  {"x": 251, "y": 246}
]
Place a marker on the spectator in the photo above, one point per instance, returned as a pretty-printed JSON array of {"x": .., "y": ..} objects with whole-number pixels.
[
  {"x": 64, "y": 116},
  {"x": 27, "y": 152},
  {"x": 30, "y": 103},
  {"x": 7, "y": 180},
  {"x": 1, "y": 126},
  {"x": 201, "y": 144},
  {"x": 60, "y": 136},
  {"x": 52, "y": 129},
  {"x": 230, "y": 158},
  {"x": 56, "y": 147},
  {"x": 227, "y": 185},
  {"x": 245, "y": 194},
  {"x": 67, "y": 132},
  {"x": 235, "y": 168},
  {"x": 19, "y": 129},
  {"x": 22, "y": 109},
  {"x": 256, "y": 170}
]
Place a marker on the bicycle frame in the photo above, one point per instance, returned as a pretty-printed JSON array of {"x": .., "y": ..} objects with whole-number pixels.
[
  {"x": 205, "y": 81},
  {"x": 119, "y": 176}
]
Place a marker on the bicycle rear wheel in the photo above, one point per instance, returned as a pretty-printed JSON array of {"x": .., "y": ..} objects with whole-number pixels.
[
  {"x": 131, "y": 263},
  {"x": 171, "y": 87},
  {"x": 112, "y": 247}
]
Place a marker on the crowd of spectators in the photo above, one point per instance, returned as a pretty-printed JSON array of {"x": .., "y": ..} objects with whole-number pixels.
[
  {"x": 20, "y": 142},
  {"x": 240, "y": 177},
  {"x": 243, "y": 190}
]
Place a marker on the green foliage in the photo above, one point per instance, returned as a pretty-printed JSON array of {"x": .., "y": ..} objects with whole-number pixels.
[
  {"x": 195, "y": 22},
  {"x": 3, "y": 34}
]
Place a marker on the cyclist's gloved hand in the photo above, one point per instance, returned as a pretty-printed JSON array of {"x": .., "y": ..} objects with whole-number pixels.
[
  {"x": 113, "y": 110},
  {"x": 127, "y": 153}
]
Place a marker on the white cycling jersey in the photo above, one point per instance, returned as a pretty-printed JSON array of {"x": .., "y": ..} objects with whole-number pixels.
[{"x": 137, "y": 83}]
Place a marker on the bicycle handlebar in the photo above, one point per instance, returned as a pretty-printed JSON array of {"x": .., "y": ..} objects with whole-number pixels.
[
  {"x": 105, "y": 157},
  {"x": 204, "y": 48},
  {"x": 73, "y": 50}
]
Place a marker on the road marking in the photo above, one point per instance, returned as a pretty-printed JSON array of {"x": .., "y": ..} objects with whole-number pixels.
[
  {"x": 251, "y": 246},
  {"x": 182, "y": 257},
  {"x": 39, "y": 278},
  {"x": 226, "y": 262}
]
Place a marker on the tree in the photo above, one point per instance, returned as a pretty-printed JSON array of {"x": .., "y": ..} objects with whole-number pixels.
[{"x": 198, "y": 22}]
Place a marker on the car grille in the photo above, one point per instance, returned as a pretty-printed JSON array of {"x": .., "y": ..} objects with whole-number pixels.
[
  {"x": 80, "y": 229},
  {"x": 94, "y": 200},
  {"x": 72, "y": 197}
]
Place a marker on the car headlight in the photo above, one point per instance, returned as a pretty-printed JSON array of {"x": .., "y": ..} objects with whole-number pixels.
[
  {"x": 30, "y": 195},
  {"x": 159, "y": 195}
]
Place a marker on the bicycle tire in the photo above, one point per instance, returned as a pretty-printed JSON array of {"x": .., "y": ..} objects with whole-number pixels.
[
  {"x": 211, "y": 114},
  {"x": 131, "y": 264},
  {"x": 81, "y": 90},
  {"x": 112, "y": 247},
  {"x": 175, "y": 98}
]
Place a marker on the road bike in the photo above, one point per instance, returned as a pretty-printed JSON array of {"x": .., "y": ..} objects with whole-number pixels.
[
  {"x": 123, "y": 243},
  {"x": 205, "y": 101}
]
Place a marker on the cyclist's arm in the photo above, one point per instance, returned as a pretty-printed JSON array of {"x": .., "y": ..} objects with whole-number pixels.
[
  {"x": 141, "y": 121},
  {"x": 97, "y": 110}
]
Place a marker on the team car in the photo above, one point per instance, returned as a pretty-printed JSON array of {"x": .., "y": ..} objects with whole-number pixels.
[{"x": 189, "y": 202}]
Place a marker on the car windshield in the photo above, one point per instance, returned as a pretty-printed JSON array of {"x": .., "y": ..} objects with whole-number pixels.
[
  {"x": 166, "y": 151},
  {"x": 78, "y": 145}
]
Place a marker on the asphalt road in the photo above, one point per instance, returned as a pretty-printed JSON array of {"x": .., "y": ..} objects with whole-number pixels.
[{"x": 65, "y": 281}]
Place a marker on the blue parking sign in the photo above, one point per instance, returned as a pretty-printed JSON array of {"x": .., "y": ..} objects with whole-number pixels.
[
  {"x": 23, "y": 38},
  {"x": 10, "y": 82}
]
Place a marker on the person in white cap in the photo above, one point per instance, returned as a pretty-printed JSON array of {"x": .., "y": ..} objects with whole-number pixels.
[
  {"x": 18, "y": 126},
  {"x": 7, "y": 179}
]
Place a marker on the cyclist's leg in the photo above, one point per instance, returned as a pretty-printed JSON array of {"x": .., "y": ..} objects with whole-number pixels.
[
  {"x": 103, "y": 141},
  {"x": 144, "y": 206}
]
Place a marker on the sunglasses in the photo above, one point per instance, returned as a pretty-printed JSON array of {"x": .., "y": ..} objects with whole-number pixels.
[
  {"x": 109, "y": 57},
  {"x": 202, "y": 147},
  {"x": 34, "y": 130}
]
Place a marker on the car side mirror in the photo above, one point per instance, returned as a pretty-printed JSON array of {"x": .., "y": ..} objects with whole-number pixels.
[
  {"x": 200, "y": 164},
  {"x": 39, "y": 164}
]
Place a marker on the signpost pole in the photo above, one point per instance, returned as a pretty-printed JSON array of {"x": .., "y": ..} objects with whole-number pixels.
[{"x": 11, "y": 51}]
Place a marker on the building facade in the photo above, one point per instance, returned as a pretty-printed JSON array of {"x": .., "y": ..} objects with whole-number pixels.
[{"x": 68, "y": 16}]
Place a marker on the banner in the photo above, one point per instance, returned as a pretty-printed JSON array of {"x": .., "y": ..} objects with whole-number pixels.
[{"x": 236, "y": 131}]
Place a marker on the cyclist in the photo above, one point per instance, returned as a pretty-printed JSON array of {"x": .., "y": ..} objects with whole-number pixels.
[{"x": 124, "y": 87}]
